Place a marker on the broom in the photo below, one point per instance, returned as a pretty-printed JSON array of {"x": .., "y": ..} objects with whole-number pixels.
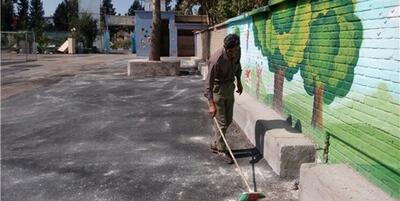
[{"x": 246, "y": 196}]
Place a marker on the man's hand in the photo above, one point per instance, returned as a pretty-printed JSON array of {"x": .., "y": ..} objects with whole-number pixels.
[
  {"x": 239, "y": 88},
  {"x": 212, "y": 109}
]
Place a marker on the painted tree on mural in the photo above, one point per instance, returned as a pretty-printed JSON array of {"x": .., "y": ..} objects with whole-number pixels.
[
  {"x": 282, "y": 38},
  {"x": 331, "y": 54}
]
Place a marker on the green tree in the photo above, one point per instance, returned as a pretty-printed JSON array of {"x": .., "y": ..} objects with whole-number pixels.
[
  {"x": 225, "y": 10},
  {"x": 206, "y": 7},
  {"x": 87, "y": 29},
  {"x": 60, "y": 17},
  {"x": 73, "y": 13},
  {"x": 218, "y": 10},
  {"x": 37, "y": 21},
  {"x": 107, "y": 8},
  {"x": 332, "y": 53},
  {"x": 155, "y": 33},
  {"x": 282, "y": 38},
  {"x": 185, "y": 7},
  {"x": 66, "y": 15},
  {"x": 23, "y": 15},
  {"x": 7, "y": 15},
  {"x": 136, "y": 5}
]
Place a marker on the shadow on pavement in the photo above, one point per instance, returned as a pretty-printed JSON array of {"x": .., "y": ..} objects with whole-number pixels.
[{"x": 255, "y": 155}]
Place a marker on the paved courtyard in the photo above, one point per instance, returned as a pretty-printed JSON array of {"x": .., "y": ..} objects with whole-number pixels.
[{"x": 77, "y": 128}]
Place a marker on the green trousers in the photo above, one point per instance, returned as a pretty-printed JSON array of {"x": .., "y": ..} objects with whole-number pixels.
[{"x": 224, "y": 99}]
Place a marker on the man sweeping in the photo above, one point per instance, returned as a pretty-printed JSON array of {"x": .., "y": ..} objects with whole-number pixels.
[{"x": 223, "y": 67}]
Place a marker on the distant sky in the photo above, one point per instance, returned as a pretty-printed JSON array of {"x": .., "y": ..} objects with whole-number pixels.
[{"x": 121, "y": 6}]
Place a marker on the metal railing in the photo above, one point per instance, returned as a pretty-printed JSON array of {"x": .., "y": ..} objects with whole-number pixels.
[{"x": 18, "y": 47}]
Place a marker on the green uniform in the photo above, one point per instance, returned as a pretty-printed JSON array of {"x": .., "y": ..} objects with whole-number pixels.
[{"x": 220, "y": 87}]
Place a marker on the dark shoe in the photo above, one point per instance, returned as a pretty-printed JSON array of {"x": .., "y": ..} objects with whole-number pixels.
[
  {"x": 223, "y": 156},
  {"x": 214, "y": 149}
]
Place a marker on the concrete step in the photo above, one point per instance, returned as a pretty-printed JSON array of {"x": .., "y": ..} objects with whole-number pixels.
[
  {"x": 334, "y": 182},
  {"x": 189, "y": 62},
  {"x": 188, "y": 71},
  {"x": 139, "y": 68}
]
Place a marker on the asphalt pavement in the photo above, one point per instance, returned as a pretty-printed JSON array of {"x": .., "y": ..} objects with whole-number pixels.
[{"x": 107, "y": 137}]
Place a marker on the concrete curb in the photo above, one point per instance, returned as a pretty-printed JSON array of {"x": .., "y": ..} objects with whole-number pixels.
[
  {"x": 203, "y": 69},
  {"x": 331, "y": 182}
]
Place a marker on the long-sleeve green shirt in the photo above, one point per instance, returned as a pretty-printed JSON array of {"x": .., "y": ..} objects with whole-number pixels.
[{"x": 221, "y": 70}]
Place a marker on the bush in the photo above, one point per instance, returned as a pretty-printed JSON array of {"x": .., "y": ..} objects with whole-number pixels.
[
  {"x": 86, "y": 28},
  {"x": 90, "y": 50},
  {"x": 125, "y": 44}
]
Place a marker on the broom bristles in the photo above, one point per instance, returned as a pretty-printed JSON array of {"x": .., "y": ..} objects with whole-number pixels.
[{"x": 251, "y": 196}]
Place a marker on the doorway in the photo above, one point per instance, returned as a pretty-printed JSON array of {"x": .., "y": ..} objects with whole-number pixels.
[
  {"x": 185, "y": 43},
  {"x": 164, "y": 40}
]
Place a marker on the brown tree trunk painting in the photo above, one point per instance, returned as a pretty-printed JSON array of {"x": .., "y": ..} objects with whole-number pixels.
[
  {"x": 317, "y": 119},
  {"x": 278, "y": 89},
  {"x": 155, "y": 47}
]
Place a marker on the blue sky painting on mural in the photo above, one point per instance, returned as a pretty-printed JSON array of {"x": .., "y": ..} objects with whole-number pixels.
[{"x": 380, "y": 14}]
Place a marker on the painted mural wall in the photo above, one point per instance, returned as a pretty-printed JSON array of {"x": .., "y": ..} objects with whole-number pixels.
[
  {"x": 334, "y": 68},
  {"x": 143, "y": 27}
]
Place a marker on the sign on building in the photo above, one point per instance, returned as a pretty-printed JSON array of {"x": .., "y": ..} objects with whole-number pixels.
[{"x": 112, "y": 20}]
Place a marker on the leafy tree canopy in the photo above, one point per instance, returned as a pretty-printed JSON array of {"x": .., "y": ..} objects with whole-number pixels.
[
  {"x": 23, "y": 14},
  {"x": 281, "y": 36},
  {"x": 66, "y": 15},
  {"x": 37, "y": 22},
  {"x": 60, "y": 17},
  {"x": 87, "y": 29},
  {"x": 7, "y": 15},
  {"x": 217, "y": 10},
  {"x": 136, "y": 5}
]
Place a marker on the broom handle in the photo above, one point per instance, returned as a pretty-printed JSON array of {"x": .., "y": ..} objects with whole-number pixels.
[{"x": 233, "y": 157}]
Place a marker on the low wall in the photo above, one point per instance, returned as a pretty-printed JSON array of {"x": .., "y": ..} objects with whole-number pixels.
[
  {"x": 140, "y": 68},
  {"x": 333, "y": 68}
]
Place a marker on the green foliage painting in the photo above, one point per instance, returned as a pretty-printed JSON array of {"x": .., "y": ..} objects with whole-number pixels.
[
  {"x": 331, "y": 54},
  {"x": 311, "y": 37},
  {"x": 282, "y": 38}
]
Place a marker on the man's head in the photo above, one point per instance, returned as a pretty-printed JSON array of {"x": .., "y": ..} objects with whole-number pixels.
[{"x": 231, "y": 45}]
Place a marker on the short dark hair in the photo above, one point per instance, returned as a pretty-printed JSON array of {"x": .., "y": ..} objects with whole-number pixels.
[{"x": 231, "y": 41}]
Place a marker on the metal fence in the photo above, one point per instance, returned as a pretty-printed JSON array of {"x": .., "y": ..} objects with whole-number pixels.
[{"x": 18, "y": 47}]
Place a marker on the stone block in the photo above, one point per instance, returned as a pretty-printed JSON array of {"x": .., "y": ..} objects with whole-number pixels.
[
  {"x": 285, "y": 152},
  {"x": 139, "y": 68},
  {"x": 284, "y": 148},
  {"x": 71, "y": 46}
]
